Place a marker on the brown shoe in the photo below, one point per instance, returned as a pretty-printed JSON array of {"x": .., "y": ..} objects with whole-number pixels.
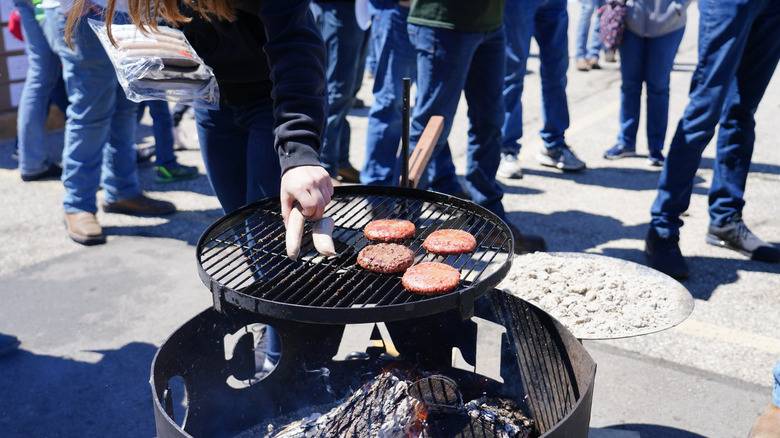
[
  {"x": 768, "y": 424},
  {"x": 349, "y": 175},
  {"x": 582, "y": 65},
  {"x": 141, "y": 205},
  {"x": 84, "y": 228},
  {"x": 593, "y": 63}
]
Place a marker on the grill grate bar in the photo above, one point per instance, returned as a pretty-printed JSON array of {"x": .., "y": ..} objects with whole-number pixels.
[{"x": 242, "y": 266}]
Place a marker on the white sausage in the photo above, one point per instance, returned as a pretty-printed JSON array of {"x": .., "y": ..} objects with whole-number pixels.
[
  {"x": 323, "y": 236},
  {"x": 294, "y": 232}
]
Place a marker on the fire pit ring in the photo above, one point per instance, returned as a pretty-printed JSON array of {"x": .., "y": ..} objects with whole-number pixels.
[{"x": 511, "y": 348}]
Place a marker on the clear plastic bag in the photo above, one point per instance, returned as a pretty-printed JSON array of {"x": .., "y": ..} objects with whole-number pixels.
[{"x": 158, "y": 65}]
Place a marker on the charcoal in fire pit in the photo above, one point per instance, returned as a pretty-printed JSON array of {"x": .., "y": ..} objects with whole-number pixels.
[
  {"x": 382, "y": 408},
  {"x": 391, "y": 407},
  {"x": 486, "y": 417}
]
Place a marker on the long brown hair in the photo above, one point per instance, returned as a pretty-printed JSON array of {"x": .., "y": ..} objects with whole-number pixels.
[{"x": 147, "y": 14}]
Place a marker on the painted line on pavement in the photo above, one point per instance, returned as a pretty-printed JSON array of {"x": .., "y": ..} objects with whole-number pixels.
[{"x": 729, "y": 335}]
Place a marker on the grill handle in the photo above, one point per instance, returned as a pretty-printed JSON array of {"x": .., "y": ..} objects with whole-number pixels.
[{"x": 407, "y": 84}]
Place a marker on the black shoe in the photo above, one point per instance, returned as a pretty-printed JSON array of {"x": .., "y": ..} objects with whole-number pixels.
[
  {"x": 664, "y": 255},
  {"x": 141, "y": 205},
  {"x": 526, "y": 243},
  {"x": 54, "y": 171},
  {"x": 349, "y": 175},
  {"x": 735, "y": 235},
  {"x": 145, "y": 154}
]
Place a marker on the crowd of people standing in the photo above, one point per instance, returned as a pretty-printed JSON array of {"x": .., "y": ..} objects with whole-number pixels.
[{"x": 311, "y": 69}]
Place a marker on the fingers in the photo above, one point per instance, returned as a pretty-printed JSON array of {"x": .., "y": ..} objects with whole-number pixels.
[{"x": 310, "y": 186}]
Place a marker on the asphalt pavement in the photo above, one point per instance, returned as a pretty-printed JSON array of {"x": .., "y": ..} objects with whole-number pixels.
[{"x": 90, "y": 319}]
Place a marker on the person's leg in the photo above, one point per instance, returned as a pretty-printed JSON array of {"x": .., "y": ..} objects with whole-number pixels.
[
  {"x": 483, "y": 90},
  {"x": 162, "y": 129},
  {"x": 91, "y": 83},
  {"x": 658, "y": 65},
  {"x": 583, "y": 28},
  {"x": 776, "y": 389},
  {"x": 723, "y": 32},
  {"x": 552, "y": 22},
  {"x": 594, "y": 41},
  {"x": 736, "y": 135},
  {"x": 43, "y": 74},
  {"x": 59, "y": 95},
  {"x": 519, "y": 26},
  {"x": 395, "y": 60},
  {"x": 344, "y": 41},
  {"x": 634, "y": 57},
  {"x": 119, "y": 173},
  {"x": 443, "y": 59},
  {"x": 223, "y": 145}
]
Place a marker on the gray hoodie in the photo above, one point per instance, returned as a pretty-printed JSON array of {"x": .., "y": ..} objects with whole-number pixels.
[{"x": 654, "y": 18}]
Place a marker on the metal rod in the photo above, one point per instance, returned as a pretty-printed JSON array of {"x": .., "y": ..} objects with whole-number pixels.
[{"x": 405, "y": 134}]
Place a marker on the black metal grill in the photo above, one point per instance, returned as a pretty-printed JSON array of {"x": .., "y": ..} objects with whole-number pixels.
[{"x": 243, "y": 261}]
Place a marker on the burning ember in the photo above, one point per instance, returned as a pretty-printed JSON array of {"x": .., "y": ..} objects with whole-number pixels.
[{"x": 392, "y": 406}]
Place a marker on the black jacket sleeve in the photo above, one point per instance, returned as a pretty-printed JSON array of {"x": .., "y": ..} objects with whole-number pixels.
[{"x": 296, "y": 56}]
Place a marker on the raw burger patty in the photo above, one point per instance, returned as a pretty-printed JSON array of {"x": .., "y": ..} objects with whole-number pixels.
[
  {"x": 450, "y": 242},
  {"x": 386, "y": 258},
  {"x": 431, "y": 278},
  {"x": 389, "y": 230}
]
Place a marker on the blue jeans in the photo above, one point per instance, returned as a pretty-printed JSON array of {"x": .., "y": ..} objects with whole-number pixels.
[
  {"x": 162, "y": 129},
  {"x": 42, "y": 85},
  {"x": 648, "y": 61},
  {"x": 346, "y": 45},
  {"x": 449, "y": 62},
  {"x": 395, "y": 59},
  {"x": 588, "y": 47},
  {"x": 739, "y": 47},
  {"x": 547, "y": 21},
  {"x": 776, "y": 390},
  {"x": 237, "y": 144},
  {"x": 100, "y": 124}
]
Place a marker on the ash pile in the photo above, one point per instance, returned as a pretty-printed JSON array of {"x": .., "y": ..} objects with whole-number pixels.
[{"x": 395, "y": 404}]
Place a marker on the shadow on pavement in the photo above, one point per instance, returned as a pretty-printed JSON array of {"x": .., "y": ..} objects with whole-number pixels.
[
  {"x": 48, "y": 396},
  {"x": 656, "y": 431}
]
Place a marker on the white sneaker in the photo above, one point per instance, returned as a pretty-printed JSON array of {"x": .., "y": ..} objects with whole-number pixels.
[{"x": 509, "y": 167}]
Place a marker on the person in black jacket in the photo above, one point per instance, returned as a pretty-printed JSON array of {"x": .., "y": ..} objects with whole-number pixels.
[{"x": 269, "y": 61}]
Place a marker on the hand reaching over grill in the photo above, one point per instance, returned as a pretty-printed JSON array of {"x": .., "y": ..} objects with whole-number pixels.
[{"x": 309, "y": 186}]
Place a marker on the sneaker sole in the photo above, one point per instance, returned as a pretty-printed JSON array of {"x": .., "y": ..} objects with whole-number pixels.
[
  {"x": 85, "y": 240},
  {"x": 509, "y": 176},
  {"x": 717, "y": 241},
  {"x": 544, "y": 160},
  {"x": 620, "y": 155}
]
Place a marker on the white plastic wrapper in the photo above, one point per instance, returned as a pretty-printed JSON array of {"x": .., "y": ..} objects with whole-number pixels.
[{"x": 158, "y": 65}]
